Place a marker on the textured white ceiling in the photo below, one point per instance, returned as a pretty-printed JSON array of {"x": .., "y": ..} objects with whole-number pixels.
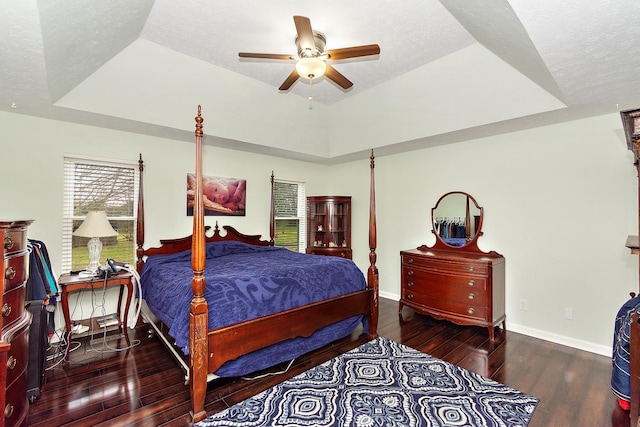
[{"x": 448, "y": 70}]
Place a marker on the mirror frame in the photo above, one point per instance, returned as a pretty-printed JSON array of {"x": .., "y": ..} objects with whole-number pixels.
[{"x": 472, "y": 242}]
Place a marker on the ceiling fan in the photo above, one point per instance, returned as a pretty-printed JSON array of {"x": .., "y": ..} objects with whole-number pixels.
[{"x": 312, "y": 58}]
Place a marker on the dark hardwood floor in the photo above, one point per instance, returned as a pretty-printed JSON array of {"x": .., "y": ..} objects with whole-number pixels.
[{"x": 145, "y": 387}]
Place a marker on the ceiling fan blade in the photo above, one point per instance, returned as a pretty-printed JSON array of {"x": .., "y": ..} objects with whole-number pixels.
[
  {"x": 353, "y": 52},
  {"x": 289, "y": 81},
  {"x": 305, "y": 33},
  {"x": 335, "y": 75},
  {"x": 265, "y": 55}
]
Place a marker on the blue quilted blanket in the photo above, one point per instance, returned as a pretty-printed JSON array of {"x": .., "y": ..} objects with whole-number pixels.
[{"x": 244, "y": 282}]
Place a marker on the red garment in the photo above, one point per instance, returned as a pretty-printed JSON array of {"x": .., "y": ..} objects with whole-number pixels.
[{"x": 624, "y": 404}]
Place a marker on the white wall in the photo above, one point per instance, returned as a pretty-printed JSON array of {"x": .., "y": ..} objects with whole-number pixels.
[{"x": 559, "y": 203}]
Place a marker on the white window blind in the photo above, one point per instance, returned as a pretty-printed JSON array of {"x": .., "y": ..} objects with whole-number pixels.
[
  {"x": 290, "y": 214},
  {"x": 98, "y": 185}
]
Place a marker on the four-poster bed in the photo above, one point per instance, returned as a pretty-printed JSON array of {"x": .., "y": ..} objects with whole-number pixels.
[{"x": 212, "y": 348}]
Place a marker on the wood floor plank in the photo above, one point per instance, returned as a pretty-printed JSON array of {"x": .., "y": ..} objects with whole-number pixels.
[{"x": 145, "y": 387}]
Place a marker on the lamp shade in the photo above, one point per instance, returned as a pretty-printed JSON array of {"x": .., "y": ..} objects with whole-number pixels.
[
  {"x": 95, "y": 224},
  {"x": 311, "y": 68}
]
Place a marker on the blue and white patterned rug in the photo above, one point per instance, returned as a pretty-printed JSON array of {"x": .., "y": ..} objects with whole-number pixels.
[{"x": 382, "y": 383}]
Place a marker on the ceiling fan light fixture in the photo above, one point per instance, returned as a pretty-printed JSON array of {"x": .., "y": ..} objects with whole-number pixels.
[
  {"x": 312, "y": 56},
  {"x": 311, "y": 68}
]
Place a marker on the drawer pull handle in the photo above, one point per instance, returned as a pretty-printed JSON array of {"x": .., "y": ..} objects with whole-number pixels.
[
  {"x": 471, "y": 268},
  {"x": 410, "y": 273},
  {"x": 471, "y": 310},
  {"x": 6, "y": 310},
  {"x": 8, "y": 410},
  {"x": 9, "y": 273},
  {"x": 471, "y": 283},
  {"x": 409, "y": 296},
  {"x": 471, "y": 296},
  {"x": 410, "y": 261},
  {"x": 11, "y": 363},
  {"x": 8, "y": 243},
  {"x": 410, "y": 284}
]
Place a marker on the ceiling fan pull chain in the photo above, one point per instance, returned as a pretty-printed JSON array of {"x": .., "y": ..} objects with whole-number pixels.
[{"x": 310, "y": 94}]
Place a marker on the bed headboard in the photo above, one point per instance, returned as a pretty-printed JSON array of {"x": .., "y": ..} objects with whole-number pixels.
[{"x": 170, "y": 246}]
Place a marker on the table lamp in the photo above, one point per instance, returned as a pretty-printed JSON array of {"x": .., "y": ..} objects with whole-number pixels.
[{"x": 94, "y": 226}]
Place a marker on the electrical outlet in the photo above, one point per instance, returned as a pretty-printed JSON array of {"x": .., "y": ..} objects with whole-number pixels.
[
  {"x": 523, "y": 304},
  {"x": 568, "y": 313}
]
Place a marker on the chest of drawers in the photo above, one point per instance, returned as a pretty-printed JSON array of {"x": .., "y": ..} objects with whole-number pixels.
[
  {"x": 464, "y": 288},
  {"x": 14, "y": 338}
]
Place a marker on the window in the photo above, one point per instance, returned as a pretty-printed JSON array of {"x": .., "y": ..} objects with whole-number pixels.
[
  {"x": 290, "y": 207},
  {"x": 95, "y": 185}
]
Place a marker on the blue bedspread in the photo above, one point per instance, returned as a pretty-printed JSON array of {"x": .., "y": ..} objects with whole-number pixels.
[{"x": 244, "y": 282}]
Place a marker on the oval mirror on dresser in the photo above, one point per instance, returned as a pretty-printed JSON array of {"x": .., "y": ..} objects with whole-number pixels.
[
  {"x": 453, "y": 279},
  {"x": 457, "y": 220}
]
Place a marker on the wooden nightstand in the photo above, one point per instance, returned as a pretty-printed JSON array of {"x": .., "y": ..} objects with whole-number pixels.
[{"x": 73, "y": 283}]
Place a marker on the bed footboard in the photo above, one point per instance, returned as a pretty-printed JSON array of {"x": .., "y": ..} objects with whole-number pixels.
[{"x": 245, "y": 337}]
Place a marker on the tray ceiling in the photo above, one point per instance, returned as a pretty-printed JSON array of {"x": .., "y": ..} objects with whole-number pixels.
[{"x": 448, "y": 70}]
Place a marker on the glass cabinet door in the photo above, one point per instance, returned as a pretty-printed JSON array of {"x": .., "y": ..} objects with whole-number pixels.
[
  {"x": 317, "y": 229},
  {"x": 338, "y": 236},
  {"x": 329, "y": 225}
]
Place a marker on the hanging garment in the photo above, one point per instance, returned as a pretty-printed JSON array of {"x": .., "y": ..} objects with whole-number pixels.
[
  {"x": 620, "y": 375},
  {"x": 41, "y": 291}
]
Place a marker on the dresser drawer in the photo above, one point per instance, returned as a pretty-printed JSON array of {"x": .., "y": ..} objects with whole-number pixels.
[
  {"x": 16, "y": 406},
  {"x": 450, "y": 266},
  {"x": 12, "y": 305},
  {"x": 441, "y": 289},
  {"x": 18, "y": 355},
  {"x": 428, "y": 278},
  {"x": 15, "y": 363},
  {"x": 470, "y": 309},
  {"x": 15, "y": 240},
  {"x": 15, "y": 270}
]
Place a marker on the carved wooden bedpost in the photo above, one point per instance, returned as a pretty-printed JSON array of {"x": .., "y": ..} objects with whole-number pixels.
[
  {"x": 272, "y": 213},
  {"x": 198, "y": 312},
  {"x": 140, "y": 220},
  {"x": 372, "y": 273},
  {"x": 467, "y": 221}
]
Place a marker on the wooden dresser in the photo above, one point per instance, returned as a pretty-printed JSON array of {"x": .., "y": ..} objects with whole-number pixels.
[
  {"x": 14, "y": 342},
  {"x": 455, "y": 280},
  {"x": 465, "y": 288}
]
